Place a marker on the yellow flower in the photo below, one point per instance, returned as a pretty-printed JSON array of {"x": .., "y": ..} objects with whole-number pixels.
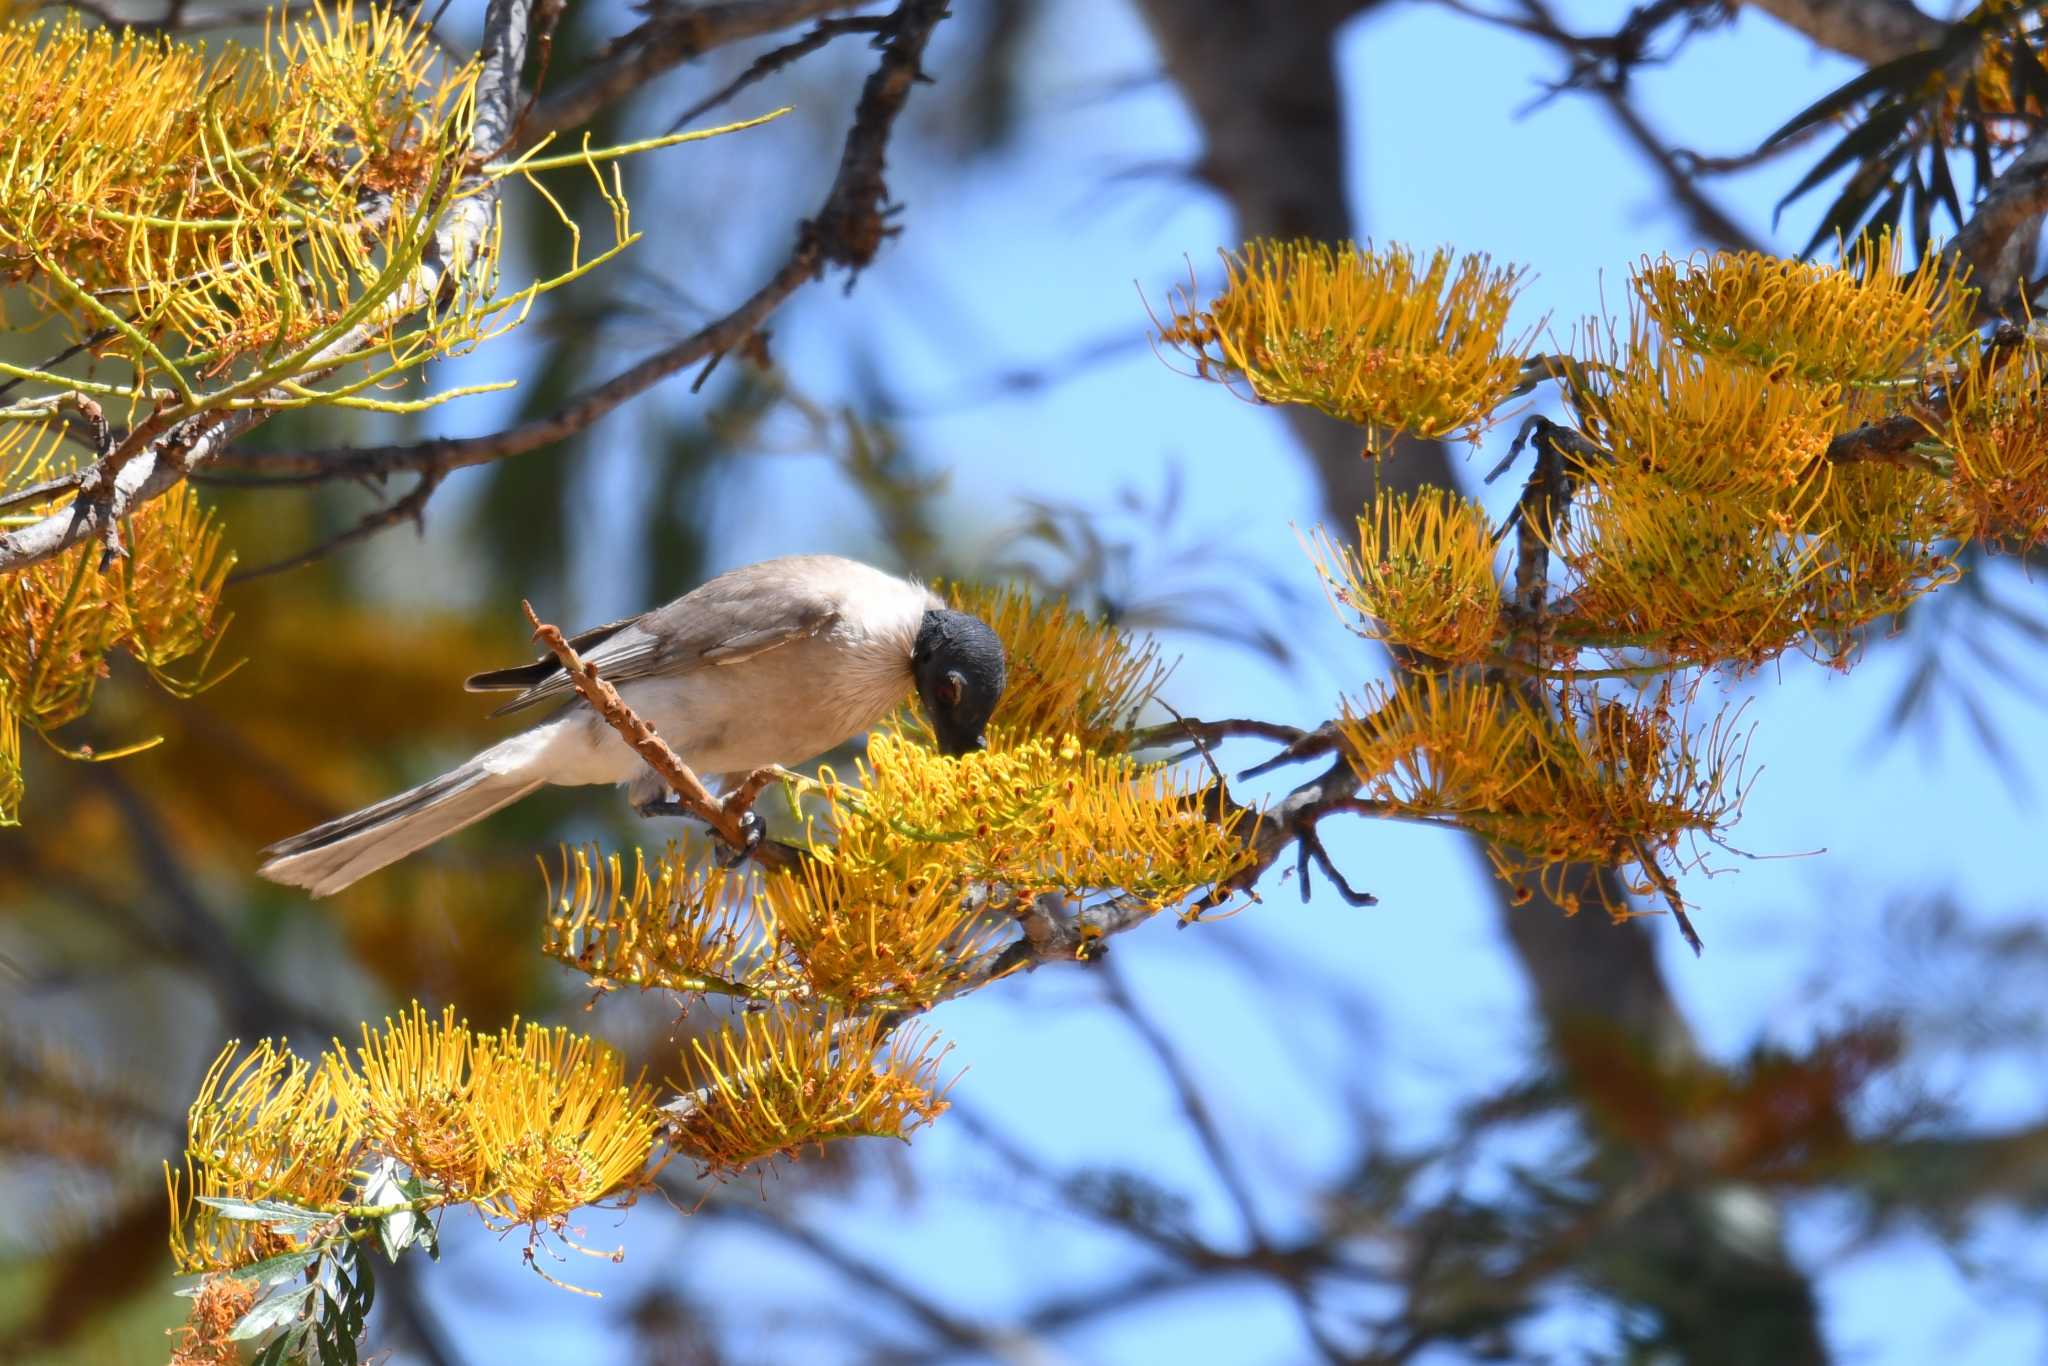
[
  {"x": 1608, "y": 782},
  {"x": 1380, "y": 338},
  {"x": 136, "y": 165},
  {"x": 1697, "y": 421},
  {"x": 1067, "y": 675},
  {"x": 1867, "y": 321},
  {"x": 560, "y": 1125},
  {"x": 526, "y": 1124},
  {"x": 1998, "y": 437},
  {"x": 264, "y": 1126},
  {"x": 1422, "y": 578},
  {"x": 669, "y": 926},
  {"x": 775, "y": 1081}
]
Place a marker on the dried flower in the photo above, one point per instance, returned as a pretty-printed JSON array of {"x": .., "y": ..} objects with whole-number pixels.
[
  {"x": 202, "y": 1340},
  {"x": 1379, "y": 338}
]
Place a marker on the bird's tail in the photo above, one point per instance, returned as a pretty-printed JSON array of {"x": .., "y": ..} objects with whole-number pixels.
[{"x": 329, "y": 857}]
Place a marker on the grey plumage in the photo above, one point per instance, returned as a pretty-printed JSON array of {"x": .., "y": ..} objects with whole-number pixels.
[{"x": 772, "y": 663}]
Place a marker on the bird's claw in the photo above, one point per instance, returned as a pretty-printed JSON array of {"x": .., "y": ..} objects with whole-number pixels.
[{"x": 752, "y": 828}]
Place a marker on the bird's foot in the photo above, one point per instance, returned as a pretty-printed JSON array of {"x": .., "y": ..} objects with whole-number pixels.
[
  {"x": 659, "y": 806},
  {"x": 752, "y": 828}
]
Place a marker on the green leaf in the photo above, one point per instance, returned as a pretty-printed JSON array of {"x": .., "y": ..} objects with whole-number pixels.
[
  {"x": 276, "y": 1270},
  {"x": 287, "y": 1218},
  {"x": 396, "y": 1232},
  {"x": 1863, "y": 143},
  {"x": 271, "y": 1314},
  {"x": 1897, "y": 76}
]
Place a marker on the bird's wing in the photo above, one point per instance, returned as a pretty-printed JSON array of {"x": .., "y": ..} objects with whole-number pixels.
[{"x": 726, "y": 621}]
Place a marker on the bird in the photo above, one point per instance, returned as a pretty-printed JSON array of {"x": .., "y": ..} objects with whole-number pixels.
[{"x": 769, "y": 664}]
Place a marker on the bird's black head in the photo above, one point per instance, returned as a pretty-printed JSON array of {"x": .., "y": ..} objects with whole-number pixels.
[{"x": 958, "y": 663}]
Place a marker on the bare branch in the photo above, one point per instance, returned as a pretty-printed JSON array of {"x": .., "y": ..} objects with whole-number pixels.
[
  {"x": 409, "y": 508},
  {"x": 727, "y": 817},
  {"x": 675, "y": 33},
  {"x": 847, "y": 231},
  {"x": 1871, "y": 31}
]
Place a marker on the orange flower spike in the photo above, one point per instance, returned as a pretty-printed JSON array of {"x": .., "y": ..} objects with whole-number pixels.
[
  {"x": 1422, "y": 577},
  {"x": 777, "y": 1081},
  {"x": 1380, "y": 338},
  {"x": 1866, "y": 322}
]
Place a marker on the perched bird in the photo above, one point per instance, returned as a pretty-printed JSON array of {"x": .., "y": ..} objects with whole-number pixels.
[{"x": 773, "y": 663}]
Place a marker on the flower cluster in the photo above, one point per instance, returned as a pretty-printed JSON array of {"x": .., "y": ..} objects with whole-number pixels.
[
  {"x": 136, "y": 167},
  {"x": 1422, "y": 578},
  {"x": 527, "y": 1124},
  {"x": 1867, "y": 321},
  {"x": 778, "y": 1080},
  {"x": 1582, "y": 779},
  {"x": 1381, "y": 338},
  {"x": 157, "y": 603}
]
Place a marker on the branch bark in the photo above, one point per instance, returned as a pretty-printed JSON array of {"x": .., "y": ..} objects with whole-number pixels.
[
  {"x": 673, "y": 34},
  {"x": 1871, "y": 31}
]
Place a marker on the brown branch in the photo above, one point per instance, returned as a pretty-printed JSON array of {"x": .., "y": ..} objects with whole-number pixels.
[
  {"x": 584, "y": 410},
  {"x": 1893, "y": 439},
  {"x": 775, "y": 59},
  {"x": 846, "y": 232},
  {"x": 674, "y": 34},
  {"x": 1871, "y": 31},
  {"x": 1997, "y": 242},
  {"x": 727, "y": 817},
  {"x": 410, "y": 508}
]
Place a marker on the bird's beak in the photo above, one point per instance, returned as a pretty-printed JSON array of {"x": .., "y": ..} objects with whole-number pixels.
[{"x": 953, "y": 746}]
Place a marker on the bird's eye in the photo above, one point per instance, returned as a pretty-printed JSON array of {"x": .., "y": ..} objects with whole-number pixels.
[{"x": 950, "y": 688}]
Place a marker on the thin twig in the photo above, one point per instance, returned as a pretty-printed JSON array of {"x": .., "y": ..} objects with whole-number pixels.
[
  {"x": 726, "y": 817},
  {"x": 775, "y": 59},
  {"x": 410, "y": 508}
]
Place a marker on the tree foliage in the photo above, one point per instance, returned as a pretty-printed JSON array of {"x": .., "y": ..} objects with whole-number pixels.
[{"x": 1761, "y": 456}]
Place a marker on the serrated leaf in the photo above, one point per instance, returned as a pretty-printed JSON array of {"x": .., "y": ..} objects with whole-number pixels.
[{"x": 270, "y": 1314}]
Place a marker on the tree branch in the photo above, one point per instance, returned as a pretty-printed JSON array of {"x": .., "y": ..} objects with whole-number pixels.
[
  {"x": 674, "y": 33},
  {"x": 727, "y": 817},
  {"x": 151, "y": 461},
  {"x": 847, "y": 231},
  {"x": 1871, "y": 31}
]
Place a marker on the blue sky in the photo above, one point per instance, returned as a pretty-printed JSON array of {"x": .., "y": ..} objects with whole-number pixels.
[{"x": 1046, "y": 248}]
